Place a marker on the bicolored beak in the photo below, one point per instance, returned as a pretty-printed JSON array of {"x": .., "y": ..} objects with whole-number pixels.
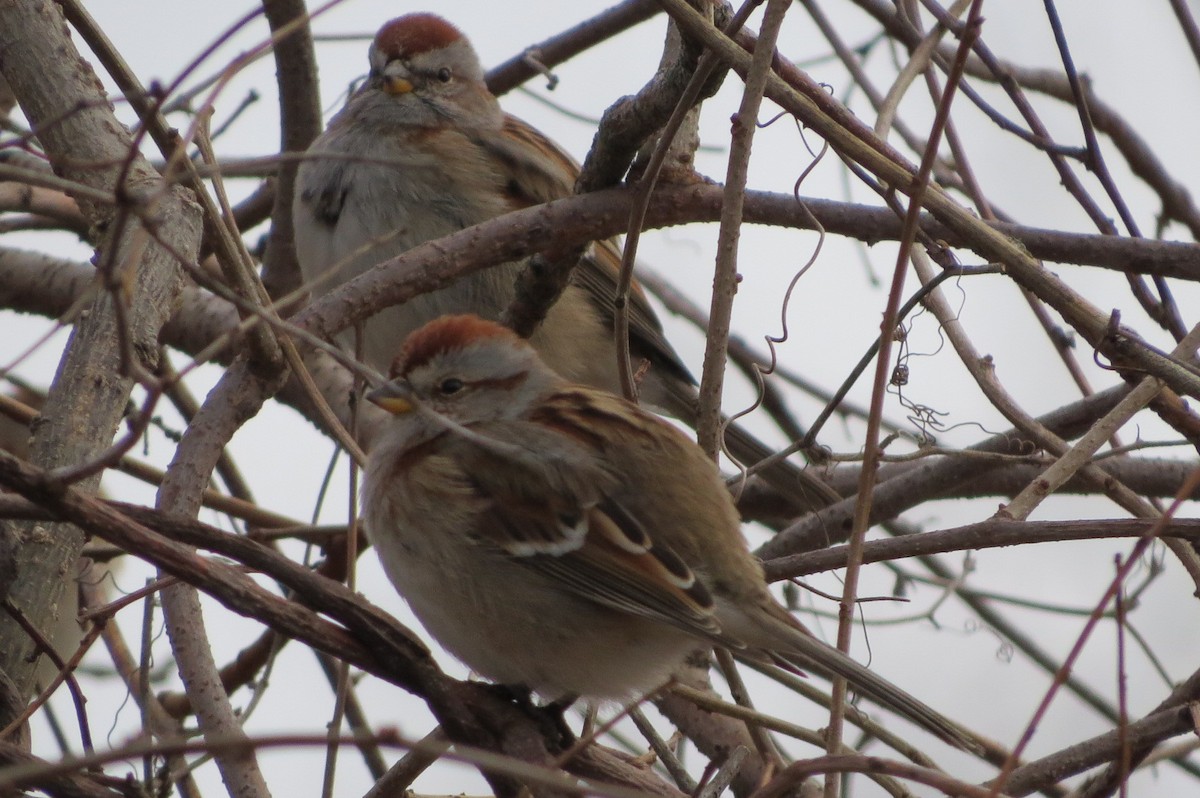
[
  {"x": 395, "y": 397},
  {"x": 395, "y": 85}
]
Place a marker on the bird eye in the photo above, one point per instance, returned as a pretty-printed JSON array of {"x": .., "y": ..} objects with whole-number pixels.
[
  {"x": 450, "y": 385},
  {"x": 444, "y": 74}
]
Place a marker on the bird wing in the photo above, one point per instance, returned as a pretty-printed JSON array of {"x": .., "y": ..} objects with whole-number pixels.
[
  {"x": 540, "y": 170},
  {"x": 552, "y": 509},
  {"x": 543, "y": 172},
  {"x": 598, "y": 273}
]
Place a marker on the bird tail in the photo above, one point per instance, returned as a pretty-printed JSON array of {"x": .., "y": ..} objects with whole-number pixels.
[{"x": 791, "y": 643}]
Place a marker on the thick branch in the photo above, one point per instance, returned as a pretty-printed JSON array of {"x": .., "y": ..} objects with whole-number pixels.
[
  {"x": 993, "y": 533},
  {"x": 300, "y": 121},
  {"x": 60, "y": 95}
]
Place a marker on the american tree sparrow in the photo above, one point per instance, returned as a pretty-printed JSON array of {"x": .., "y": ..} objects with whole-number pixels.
[
  {"x": 423, "y": 150},
  {"x": 558, "y": 537}
]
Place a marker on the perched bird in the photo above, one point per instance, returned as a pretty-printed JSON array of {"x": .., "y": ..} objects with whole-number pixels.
[
  {"x": 559, "y": 537},
  {"x": 423, "y": 150}
]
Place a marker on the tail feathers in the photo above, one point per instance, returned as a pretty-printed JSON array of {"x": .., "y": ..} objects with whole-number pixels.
[{"x": 803, "y": 651}]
